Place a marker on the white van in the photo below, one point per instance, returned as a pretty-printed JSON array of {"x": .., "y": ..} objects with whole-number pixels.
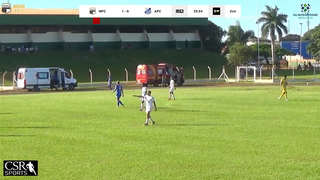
[{"x": 35, "y": 79}]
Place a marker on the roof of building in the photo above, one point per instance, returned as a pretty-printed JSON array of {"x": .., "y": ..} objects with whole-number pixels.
[{"x": 71, "y": 17}]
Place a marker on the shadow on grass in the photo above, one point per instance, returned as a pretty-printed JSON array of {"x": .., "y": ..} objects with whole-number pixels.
[
  {"x": 178, "y": 110},
  {"x": 15, "y": 135},
  {"x": 6, "y": 113},
  {"x": 193, "y": 124}
]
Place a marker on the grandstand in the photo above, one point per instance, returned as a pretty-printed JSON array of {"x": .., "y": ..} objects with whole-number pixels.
[{"x": 64, "y": 30}]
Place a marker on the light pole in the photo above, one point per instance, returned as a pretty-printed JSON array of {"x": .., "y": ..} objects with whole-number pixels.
[
  {"x": 300, "y": 39},
  {"x": 258, "y": 36}
]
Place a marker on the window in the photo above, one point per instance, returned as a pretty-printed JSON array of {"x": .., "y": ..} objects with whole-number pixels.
[
  {"x": 143, "y": 71},
  {"x": 43, "y": 75},
  {"x": 170, "y": 71},
  {"x": 20, "y": 76},
  {"x": 67, "y": 75},
  {"x": 160, "y": 71},
  {"x": 150, "y": 72},
  {"x": 138, "y": 72}
]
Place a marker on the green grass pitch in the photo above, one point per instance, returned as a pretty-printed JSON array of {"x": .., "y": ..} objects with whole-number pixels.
[{"x": 207, "y": 133}]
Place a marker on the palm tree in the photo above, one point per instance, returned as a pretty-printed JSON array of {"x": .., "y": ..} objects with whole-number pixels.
[
  {"x": 238, "y": 35},
  {"x": 273, "y": 22}
]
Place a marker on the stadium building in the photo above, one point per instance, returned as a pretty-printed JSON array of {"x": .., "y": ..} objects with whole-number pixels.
[{"x": 51, "y": 29}]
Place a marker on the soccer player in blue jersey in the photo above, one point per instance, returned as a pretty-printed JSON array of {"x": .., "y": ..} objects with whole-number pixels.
[{"x": 119, "y": 92}]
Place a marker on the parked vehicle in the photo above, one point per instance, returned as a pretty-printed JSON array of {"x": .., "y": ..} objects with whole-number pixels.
[
  {"x": 159, "y": 74},
  {"x": 35, "y": 79}
]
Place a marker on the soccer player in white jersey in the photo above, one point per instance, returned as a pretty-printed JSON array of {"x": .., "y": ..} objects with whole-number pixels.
[
  {"x": 171, "y": 89},
  {"x": 143, "y": 94},
  {"x": 150, "y": 102}
]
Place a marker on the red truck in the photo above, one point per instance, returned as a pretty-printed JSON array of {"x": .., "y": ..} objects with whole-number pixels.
[{"x": 159, "y": 74}]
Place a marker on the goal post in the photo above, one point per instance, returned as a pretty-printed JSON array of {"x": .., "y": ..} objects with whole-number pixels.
[
  {"x": 269, "y": 78},
  {"x": 245, "y": 73},
  {"x": 254, "y": 74}
]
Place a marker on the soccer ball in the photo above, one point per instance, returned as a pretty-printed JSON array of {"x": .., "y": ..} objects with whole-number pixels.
[{"x": 305, "y": 7}]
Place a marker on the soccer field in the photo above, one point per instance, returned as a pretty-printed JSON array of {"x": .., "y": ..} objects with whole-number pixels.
[{"x": 206, "y": 133}]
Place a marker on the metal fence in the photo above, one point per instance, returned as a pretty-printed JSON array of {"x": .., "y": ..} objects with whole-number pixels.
[{"x": 7, "y": 78}]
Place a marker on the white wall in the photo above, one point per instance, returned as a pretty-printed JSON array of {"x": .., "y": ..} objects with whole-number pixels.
[
  {"x": 76, "y": 37},
  {"x": 105, "y": 37},
  {"x": 160, "y": 37},
  {"x": 46, "y": 37},
  {"x": 292, "y": 58},
  {"x": 133, "y": 37},
  {"x": 184, "y": 36},
  {"x": 14, "y": 38}
]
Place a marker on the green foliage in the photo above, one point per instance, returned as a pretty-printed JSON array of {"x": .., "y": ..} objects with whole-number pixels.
[
  {"x": 240, "y": 54},
  {"x": 307, "y": 35},
  {"x": 282, "y": 52},
  {"x": 211, "y": 37},
  {"x": 291, "y": 37},
  {"x": 237, "y": 35},
  {"x": 273, "y": 22},
  {"x": 265, "y": 50},
  {"x": 314, "y": 47}
]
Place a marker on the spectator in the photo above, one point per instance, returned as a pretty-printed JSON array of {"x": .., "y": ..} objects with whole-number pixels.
[
  {"x": 52, "y": 84},
  {"x": 309, "y": 65},
  {"x": 109, "y": 82},
  {"x": 187, "y": 44},
  {"x": 62, "y": 80},
  {"x": 55, "y": 78},
  {"x": 14, "y": 50},
  {"x": 92, "y": 49},
  {"x": 162, "y": 80},
  {"x": 299, "y": 67}
]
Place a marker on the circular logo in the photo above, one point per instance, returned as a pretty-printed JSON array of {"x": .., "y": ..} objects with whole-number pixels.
[{"x": 305, "y": 7}]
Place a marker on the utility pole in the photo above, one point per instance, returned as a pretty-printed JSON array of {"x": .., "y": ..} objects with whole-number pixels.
[
  {"x": 288, "y": 26},
  {"x": 258, "y": 37},
  {"x": 300, "y": 39},
  {"x": 308, "y": 22}
]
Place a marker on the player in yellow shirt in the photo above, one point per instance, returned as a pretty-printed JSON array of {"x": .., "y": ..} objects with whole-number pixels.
[{"x": 283, "y": 87}]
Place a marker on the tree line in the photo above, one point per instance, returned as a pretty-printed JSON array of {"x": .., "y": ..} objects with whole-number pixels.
[{"x": 272, "y": 28}]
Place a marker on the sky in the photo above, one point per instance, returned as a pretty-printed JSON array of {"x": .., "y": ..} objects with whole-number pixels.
[{"x": 250, "y": 10}]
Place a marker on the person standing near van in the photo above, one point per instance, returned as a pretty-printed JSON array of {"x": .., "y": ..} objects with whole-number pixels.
[
  {"x": 62, "y": 80},
  {"x": 53, "y": 80},
  {"x": 109, "y": 82},
  {"x": 56, "y": 78}
]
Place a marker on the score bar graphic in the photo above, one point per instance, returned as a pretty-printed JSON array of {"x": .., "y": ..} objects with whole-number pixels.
[{"x": 159, "y": 11}]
